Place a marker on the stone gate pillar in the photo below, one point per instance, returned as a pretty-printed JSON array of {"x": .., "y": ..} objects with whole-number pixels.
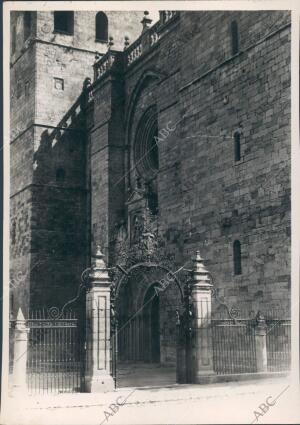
[
  {"x": 202, "y": 353},
  {"x": 98, "y": 377},
  {"x": 261, "y": 343},
  {"x": 20, "y": 353}
]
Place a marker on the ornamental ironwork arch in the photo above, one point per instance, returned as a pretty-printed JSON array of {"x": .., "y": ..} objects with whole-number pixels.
[{"x": 126, "y": 274}]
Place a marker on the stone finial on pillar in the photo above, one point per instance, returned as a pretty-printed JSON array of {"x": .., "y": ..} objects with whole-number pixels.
[
  {"x": 200, "y": 272},
  {"x": 98, "y": 378},
  {"x": 146, "y": 22},
  {"x": 201, "y": 322},
  {"x": 99, "y": 273},
  {"x": 20, "y": 353},
  {"x": 261, "y": 343}
]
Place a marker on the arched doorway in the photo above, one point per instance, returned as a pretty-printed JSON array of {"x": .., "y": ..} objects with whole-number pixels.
[
  {"x": 139, "y": 327},
  {"x": 146, "y": 313}
]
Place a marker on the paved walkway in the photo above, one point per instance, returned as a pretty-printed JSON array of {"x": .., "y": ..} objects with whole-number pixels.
[
  {"x": 145, "y": 374},
  {"x": 231, "y": 403}
]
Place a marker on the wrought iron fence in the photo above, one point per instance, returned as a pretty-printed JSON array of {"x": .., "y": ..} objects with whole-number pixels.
[
  {"x": 55, "y": 354},
  {"x": 233, "y": 347}
]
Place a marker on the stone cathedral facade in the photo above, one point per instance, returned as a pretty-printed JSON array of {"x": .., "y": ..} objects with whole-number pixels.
[{"x": 153, "y": 140}]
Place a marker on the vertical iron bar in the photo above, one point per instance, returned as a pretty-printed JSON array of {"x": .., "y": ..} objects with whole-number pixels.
[
  {"x": 40, "y": 351},
  {"x": 69, "y": 351},
  {"x": 55, "y": 359},
  {"x": 51, "y": 359}
]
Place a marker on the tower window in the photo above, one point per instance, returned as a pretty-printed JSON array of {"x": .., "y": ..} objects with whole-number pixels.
[
  {"x": 101, "y": 27},
  {"x": 237, "y": 261},
  {"x": 234, "y": 38},
  {"x": 27, "y": 25},
  {"x": 237, "y": 146},
  {"x": 60, "y": 175},
  {"x": 64, "y": 22}
]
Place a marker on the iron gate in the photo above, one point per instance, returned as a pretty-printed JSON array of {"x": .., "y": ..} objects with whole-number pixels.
[
  {"x": 136, "y": 333},
  {"x": 55, "y": 353}
]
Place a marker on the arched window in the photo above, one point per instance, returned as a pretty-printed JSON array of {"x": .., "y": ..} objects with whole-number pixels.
[
  {"x": 101, "y": 27},
  {"x": 145, "y": 148},
  {"x": 237, "y": 260},
  {"x": 237, "y": 146},
  {"x": 64, "y": 22},
  {"x": 60, "y": 175},
  {"x": 27, "y": 25},
  {"x": 234, "y": 37}
]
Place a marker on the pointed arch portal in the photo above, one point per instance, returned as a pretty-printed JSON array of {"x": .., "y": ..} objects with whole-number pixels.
[{"x": 147, "y": 296}]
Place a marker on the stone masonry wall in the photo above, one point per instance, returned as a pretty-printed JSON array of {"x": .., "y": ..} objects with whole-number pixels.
[
  {"x": 99, "y": 156},
  {"x": 59, "y": 219},
  {"x": 207, "y": 200},
  {"x": 248, "y": 200},
  {"x": 60, "y": 235},
  {"x": 22, "y": 104}
]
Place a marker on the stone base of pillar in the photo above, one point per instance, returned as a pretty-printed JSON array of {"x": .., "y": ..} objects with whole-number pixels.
[
  {"x": 99, "y": 384},
  {"x": 205, "y": 377}
]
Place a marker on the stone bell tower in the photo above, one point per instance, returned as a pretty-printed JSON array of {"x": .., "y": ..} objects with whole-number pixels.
[{"x": 52, "y": 53}]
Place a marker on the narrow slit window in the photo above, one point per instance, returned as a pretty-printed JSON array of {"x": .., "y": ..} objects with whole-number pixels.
[
  {"x": 234, "y": 37},
  {"x": 237, "y": 258},
  {"x": 64, "y": 22},
  {"x": 101, "y": 27},
  {"x": 237, "y": 146}
]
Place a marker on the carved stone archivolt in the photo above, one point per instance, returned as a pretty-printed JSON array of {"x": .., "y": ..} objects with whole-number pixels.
[{"x": 137, "y": 239}]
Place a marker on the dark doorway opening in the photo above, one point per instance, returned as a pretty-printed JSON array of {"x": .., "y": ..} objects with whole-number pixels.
[
  {"x": 146, "y": 323},
  {"x": 139, "y": 331},
  {"x": 151, "y": 326}
]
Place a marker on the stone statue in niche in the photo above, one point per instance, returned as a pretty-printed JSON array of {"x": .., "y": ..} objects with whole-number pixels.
[{"x": 149, "y": 243}]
